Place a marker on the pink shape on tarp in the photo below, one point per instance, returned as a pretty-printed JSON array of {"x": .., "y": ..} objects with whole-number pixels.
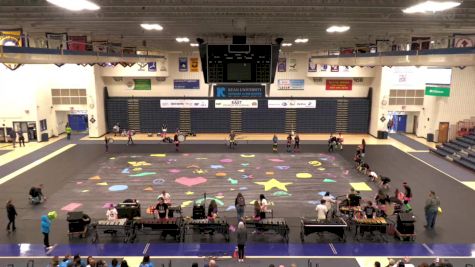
[
  {"x": 78, "y": 182},
  {"x": 174, "y": 171},
  {"x": 107, "y": 205},
  {"x": 276, "y": 160},
  {"x": 71, "y": 206},
  {"x": 346, "y": 172},
  {"x": 191, "y": 181},
  {"x": 186, "y": 155},
  {"x": 226, "y": 160},
  {"x": 135, "y": 180}
]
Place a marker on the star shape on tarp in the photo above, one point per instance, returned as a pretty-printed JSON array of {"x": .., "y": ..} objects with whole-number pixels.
[{"x": 273, "y": 183}]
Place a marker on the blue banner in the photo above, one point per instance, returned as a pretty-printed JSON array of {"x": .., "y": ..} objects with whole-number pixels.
[
  {"x": 239, "y": 91},
  {"x": 186, "y": 84},
  {"x": 183, "y": 64},
  {"x": 152, "y": 66}
]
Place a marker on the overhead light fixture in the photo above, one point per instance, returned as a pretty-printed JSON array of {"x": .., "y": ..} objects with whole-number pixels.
[
  {"x": 150, "y": 27},
  {"x": 431, "y": 6},
  {"x": 301, "y": 40},
  {"x": 182, "y": 39},
  {"x": 76, "y": 5},
  {"x": 194, "y": 44},
  {"x": 338, "y": 28},
  {"x": 286, "y": 44}
]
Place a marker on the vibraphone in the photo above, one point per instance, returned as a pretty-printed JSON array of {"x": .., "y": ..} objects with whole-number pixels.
[
  {"x": 206, "y": 226},
  {"x": 120, "y": 228},
  {"x": 371, "y": 225},
  {"x": 309, "y": 226},
  {"x": 170, "y": 226},
  {"x": 277, "y": 225}
]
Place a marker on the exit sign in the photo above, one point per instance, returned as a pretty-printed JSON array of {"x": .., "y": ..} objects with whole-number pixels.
[{"x": 437, "y": 90}]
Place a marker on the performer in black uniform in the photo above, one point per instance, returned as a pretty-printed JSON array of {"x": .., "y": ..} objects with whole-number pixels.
[
  {"x": 177, "y": 142},
  {"x": 297, "y": 143}
]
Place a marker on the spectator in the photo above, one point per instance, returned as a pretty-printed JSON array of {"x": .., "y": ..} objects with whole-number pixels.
[
  {"x": 13, "y": 137},
  {"x": 146, "y": 262},
  {"x": 241, "y": 240},
  {"x": 212, "y": 263},
  {"x": 240, "y": 204},
  {"x": 124, "y": 263},
  {"x": 21, "y": 138},
  {"x": 377, "y": 264},
  {"x": 115, "y": 263},
  {"x": 431, "y": 208},
  {"x": 195, "y": 264},
  {"x": 68, "y": 131}
]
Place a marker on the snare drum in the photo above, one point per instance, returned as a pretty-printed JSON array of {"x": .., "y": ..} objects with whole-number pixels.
[{"x": 181, "y": 138}]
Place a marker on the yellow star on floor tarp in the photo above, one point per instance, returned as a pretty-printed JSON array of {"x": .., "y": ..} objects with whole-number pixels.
[{"x": 273, "y": 183}]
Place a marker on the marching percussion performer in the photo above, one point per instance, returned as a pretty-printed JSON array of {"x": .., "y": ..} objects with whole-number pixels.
[
  {"x": 232, "y": 140},
  {"x": 112, "y": 213},
  {"x": 161, "y": 209},
  {"x": 297, "y": 143},
  {"x": 289, "y": 143},
  {"x": 275, "y": 140},
  {"x": 176, "y": 141},
  {"x": 164, "y": 129}
]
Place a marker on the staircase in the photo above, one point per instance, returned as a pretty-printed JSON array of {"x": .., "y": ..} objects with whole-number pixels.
[
  {"x": 460, "y": 150},
  {"x": 236, "y": 120},
  {"x": 133, "y": 112},
  {"x": 290, "y": 120},
  {"x": 185, "y": 120},
  {"x": 342, "y": 115}
]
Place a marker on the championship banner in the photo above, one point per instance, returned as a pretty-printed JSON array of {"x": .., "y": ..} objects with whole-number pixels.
[
  {"x": 335, "y": 68},
  {"x": 282, "y": 65},
  {"x": 194, "y": 65},
  {"x": 324, "y": 68},
  {"x": 463, "y": 40},
  {"x": 57, "y": 40},
  {"x": 152, "y": 66},
  {"x": 182, "y": 64},
  {"x": 312, "y": 65},
  {"x": 290, "y": 84},
  {"x": 291, "y": 103},
  {"x": 184, "y": 103},
  {"x": 338, "y": 85},
  {"x": 236, "y": 103},
  {"x": 77, "y": 43},
  {"x": 11, "y": 38},
  {"x": 186, "y": 84},
  {"x": 292, "y": 65}
]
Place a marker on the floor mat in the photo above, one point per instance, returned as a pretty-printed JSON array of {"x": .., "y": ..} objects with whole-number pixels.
[{"x": 408, "y": 141}]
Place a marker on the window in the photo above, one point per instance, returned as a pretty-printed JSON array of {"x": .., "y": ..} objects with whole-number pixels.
[
  {"x": 406, "y": 97},
  {"x": 68, "y": 96}
]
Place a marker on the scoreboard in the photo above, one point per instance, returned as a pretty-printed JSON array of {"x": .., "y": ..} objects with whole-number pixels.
[{"x": 239, "y": 63}]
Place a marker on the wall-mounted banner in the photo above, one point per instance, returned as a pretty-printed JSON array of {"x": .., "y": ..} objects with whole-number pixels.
[
  {"x": 57, "y": 40},
  {"x": 437, "y": 90},
  {"x": 152, "y": 66},
  {"x": 236, "y": 103},
  {"x": 293, "y": 65},
  {"x": 142, "y": 84},
  {"x": 312, "y": 65},
  {"x": 182, "y": 64},
  {"x": 291, "y": 84},
  {"x": 338, "y": 85},
  {"x": 291, "y": 103},
  {"x": 77, "y": 43},
  {"x": 463, "y": 40},
  {"x": 324, "y": 68},
  {"x": 239, "y": 91},
  {"x": 335, "y": 68},
  {"x": 184, "y": 103},
  {"x": 11, "y": 38},
  {"x": 186, "y": 84},
  {"x": 194, "y": 65},
  {"x": 282, "y": 65}
]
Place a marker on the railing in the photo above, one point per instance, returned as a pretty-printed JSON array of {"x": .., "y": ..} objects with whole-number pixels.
[{"x": 465, "y": 127}]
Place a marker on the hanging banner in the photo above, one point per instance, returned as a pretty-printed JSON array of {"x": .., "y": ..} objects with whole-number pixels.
[
  {"x": 291, "y": 84},
  {"x": 77, "y": 43},
  {"x": 292, "y": 64},
  {"x": 282, "y": 65},
  {"x": 11, "y": 38},
  {"x": 291, "y": 103},
  {"x": 239, "y": 91},
  {"x": 57, "y": 40},
  {"x": 142, "y": 84},
  {"x": 335, "y": 68},
  {"x": 337, "y": 85},
  {"x": 312, "y": 65},
  {"x": 152, "y": 66},
  {"x": 194, "y": 65},
  {"x": 182, "y": 64},
  {"x": 236, "y": 103},
  {"x": 184, "y": 103},
  {"x": 186, "y": 84}
]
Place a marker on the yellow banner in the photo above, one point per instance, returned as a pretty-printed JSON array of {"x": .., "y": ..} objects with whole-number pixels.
[
  {"x": 194, "y": 65},
  {"x": 10, "y": 38}
]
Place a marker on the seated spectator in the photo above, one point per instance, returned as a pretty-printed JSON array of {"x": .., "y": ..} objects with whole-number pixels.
[
  {"x": 195, "y": 264},
  {"x": 146, "y": 262},
  {"x": 377, "y": 264},
  {"x": 114, "y": 263},
  {"x": 124, "y": 263}
]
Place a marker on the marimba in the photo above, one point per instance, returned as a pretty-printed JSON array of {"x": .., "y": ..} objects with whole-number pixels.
[
  {"x": 170, "y": 226},
  {"x": 309, "y": 226},
  {"x": 115, "y": 228},
  {"x": 378, "y": 224},
  {"x": 277, "y": 225},
  {"x": 206, "y": 226}
]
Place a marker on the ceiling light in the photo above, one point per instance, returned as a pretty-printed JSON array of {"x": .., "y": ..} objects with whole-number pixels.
[
  {"x": 194, "y": 44},
  {"x": 301, "y": 40},
  {"x": 76, "y": 5},
  {"x": 150, "y": 27},
  {"x": 338, "y": 28},
  {"x": 182, "y": 39},
  {"x": 286, "y": 44},
  {"x": 431, "y": 6}
]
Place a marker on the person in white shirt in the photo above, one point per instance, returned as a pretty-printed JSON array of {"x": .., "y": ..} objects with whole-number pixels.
[
  {"x": 329, "y": 202},
  {"x": 166, "y": 197},
  {"x": 111, "y": 213},
  {"x": 322, "y": 210},
  {"x": 263, "y": 206}
]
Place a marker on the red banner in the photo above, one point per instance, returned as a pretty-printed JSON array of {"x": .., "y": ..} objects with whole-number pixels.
[{"x": 334, "y": 85}]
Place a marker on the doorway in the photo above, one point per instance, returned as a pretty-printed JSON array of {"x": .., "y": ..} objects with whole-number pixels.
[
  {"x": 443, "y": 132},
  {"x": 28, "y": 128},
  {"x": 415, "y": 125}
]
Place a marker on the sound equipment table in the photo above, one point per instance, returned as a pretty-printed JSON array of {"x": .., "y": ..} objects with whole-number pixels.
[{"x": 309, "y": 226}]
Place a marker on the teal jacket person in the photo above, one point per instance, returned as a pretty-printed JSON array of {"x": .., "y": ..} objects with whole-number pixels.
[{"x": 45, "y": 224}]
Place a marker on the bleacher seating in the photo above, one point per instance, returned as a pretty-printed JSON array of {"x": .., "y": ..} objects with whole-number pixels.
[{"x": 460, "y": 150}]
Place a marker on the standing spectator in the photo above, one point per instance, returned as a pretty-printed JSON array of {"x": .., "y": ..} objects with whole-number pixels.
[
  {"x": 21, "y": 138},
  {"x": 11, "y": 214},
  {"x": 146, "y": 262},
  {"x": 68, "y": 131},
  {"x": 13, "y": 137},
  {"x": 390, "y": 125},
  {"x": 431, "y": 208},
  {"x": 116, "y": 129},
  {"x": 130, "y": 133},
  {"x": 45, "y": 229},
  {"x": 240, "y": 204},
  {"x": 241, "y": 240}
]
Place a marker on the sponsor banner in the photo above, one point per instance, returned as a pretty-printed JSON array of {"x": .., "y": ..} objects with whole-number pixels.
[
  {"x": 239, "y": 91},
  {"x": 186, "y": 84},
  {"x": 182, "y": 64},
  {"x": 292, "y": 65},
  {"x": 312, "y": 65},
  {"x": 291, "y": 84},
  {"x": 291, "y": 103},
  {"x": 435, "y": 90},
  {"x": 337, "y": 85},
  {"x": 194, "y": 65},
  {"x": 282, "y": 65},
  {"x": 152, "y": 66},
  {"x": 184, "y": 103},
  {"x": 236, "y": 103},
  {"x": 142, "y": 84}
]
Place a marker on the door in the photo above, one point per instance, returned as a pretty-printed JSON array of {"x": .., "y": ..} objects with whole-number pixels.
[
  {"x": 443, "y": 132},
  {"x": 400, "y": 123},
  {"x": 3, "y": 135},
  {"x": 77, "y": 122},
  {"x": 416, "y": 124}
]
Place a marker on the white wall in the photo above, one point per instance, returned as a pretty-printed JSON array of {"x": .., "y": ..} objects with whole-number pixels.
[{"x": 376, "y": 104}]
